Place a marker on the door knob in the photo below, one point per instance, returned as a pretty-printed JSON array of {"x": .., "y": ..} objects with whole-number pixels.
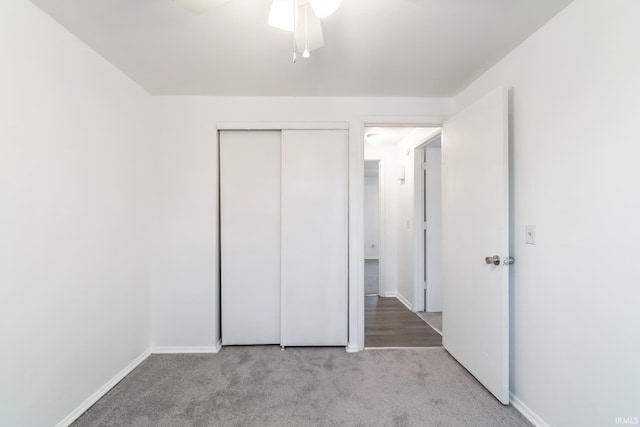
[{"x": 495, "y": 260}]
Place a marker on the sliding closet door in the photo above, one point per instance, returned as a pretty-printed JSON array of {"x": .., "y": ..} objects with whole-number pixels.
[
  {"x": 250, "y": 236},
  {"x": 314, "y": 237}
]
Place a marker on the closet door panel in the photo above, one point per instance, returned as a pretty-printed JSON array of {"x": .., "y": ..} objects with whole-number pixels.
[
  {"x": 250, "y": 236},
  {"x": 314, "y": 273}
]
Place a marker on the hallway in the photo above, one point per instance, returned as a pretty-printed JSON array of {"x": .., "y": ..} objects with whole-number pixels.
[
  {"x": 371, "y": 277},
  {"x": 388, "y": 323}
]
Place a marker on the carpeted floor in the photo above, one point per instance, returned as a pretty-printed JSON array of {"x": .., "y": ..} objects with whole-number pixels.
[
  {"x": 371, "y": 276},
  {"x": 263, "y": 386}
]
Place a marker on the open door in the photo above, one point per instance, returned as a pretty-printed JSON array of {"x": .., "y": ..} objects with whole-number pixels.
[{"x": 475, "y": 175}]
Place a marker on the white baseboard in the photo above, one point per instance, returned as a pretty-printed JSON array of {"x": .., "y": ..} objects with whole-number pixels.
[
  {"x": 352, "y": 348},
  {"x": 526, "y": 411},
  {"x": 102, "y": 391},
  {"x": 186, "y": 350},
  {"x": 119, "y": 376},
  {"x": 371, "y": 257},
  {"x": 404, "y": 348},
  {"x": 404, "y": 301},
  {"x": 389, "y": 294}
]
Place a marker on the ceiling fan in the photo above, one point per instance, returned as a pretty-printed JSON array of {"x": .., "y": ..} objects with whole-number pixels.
[{"x": 300, "y": 17}]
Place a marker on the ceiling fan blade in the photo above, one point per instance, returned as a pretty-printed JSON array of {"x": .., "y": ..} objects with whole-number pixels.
[
  {"x": 281, "y": 14},
  {"x": 314, "y": 37},
  {"x": 199, "y": 6},
  {"x": 324, "y": 8}
]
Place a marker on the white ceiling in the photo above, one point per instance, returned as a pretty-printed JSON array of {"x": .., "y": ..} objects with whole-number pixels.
[{"x": 372, "y": 47}]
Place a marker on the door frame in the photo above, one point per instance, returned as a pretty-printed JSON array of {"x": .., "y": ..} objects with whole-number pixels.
[
  {"x": 356, "y": 196},
  {"x": 419, "y": 252}
]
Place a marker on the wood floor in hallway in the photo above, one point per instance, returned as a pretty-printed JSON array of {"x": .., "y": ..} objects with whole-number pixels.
[{"x": 388, "y": 323}]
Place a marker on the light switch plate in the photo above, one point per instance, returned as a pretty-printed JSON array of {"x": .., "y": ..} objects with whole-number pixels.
[{"x": 530, "y": 231}]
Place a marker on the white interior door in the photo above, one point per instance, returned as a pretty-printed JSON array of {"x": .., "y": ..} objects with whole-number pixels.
[
  {"x": 475, "y": 178},
  {"x": 250, "y": 236},
  {"x": 314, "y": 237}
]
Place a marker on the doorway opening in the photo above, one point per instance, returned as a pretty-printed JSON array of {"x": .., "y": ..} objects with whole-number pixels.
[
  {"x": 371, "y": 227},
  {"x": 391, "y": 154}
]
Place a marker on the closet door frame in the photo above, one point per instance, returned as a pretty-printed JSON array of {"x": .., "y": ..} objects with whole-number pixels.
[{"x": 354, "y": 278}]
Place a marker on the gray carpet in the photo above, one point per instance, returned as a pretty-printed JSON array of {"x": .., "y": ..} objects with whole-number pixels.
[
  {"x": 263, "y": 386},
  {"x": 371, "y": 276}
]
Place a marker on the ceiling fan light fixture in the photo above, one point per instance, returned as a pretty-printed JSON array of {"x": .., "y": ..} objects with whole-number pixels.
[
  {"x": 282, "y": 13},
  {"x": 309, "y": 30},
  {"x": 324, "y": 8}
]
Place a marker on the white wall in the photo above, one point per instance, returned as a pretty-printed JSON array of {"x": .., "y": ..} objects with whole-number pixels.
[
  {"x": 74, "y": 210},
  {"x": 405, "y": 153},
  {"x": 185, "y": 233},
  {"x": 434, "y": 228},
  {"x": 185, "y": 253},
  {"x": 575, "y": 153},
  {"x": 371, "y": 217}
]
